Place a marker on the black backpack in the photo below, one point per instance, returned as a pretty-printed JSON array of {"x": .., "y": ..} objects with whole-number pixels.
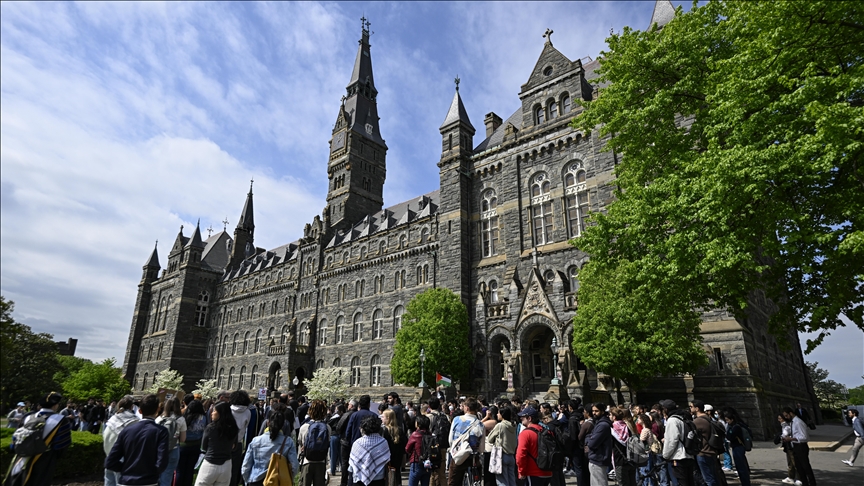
[
  {"x": 549, "y": 453},
  {"x": 29, "y": 438},
  {"x": 690, "y": 438},
  {"x": 717, "y": 437},
  {"x": 430, "y": 450}
]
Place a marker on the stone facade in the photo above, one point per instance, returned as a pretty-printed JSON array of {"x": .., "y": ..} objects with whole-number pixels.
[{"x": 496, "y": 233}]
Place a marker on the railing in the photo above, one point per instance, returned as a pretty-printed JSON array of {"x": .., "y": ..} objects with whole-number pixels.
[
  {"x": 301, "y": 348},
  {"x": 498, "y": 311},
  {"x": 275, "y": 350}
]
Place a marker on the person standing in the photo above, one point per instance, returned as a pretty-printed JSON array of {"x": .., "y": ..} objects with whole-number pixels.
[
  {"x": 683, "y": 464},
  {"x": 370, "y": 454},
  {"x": 467, "y": 424},
  {"x": 353, "y": 430},
  {"x": 503, "y": 435},
  {"x": 196, "y": 421},
  {"x": 622, "y": 429},
  {"x": 259, "y": 450},
  {"x": 176, "y": 426},
  {"x": 345, "y": 441},
  {"x": 735, "y": 433},
  {"x": 314, "y": 441},
  {"x": 800, "y": 448},
  {"x": 218, "y": 443},
  {"x": 335, "y": 447},
  {"x": 96, "y": 417},
  {"x": 14, "y": 418},
  {"x": 786, "y": 431},
  {"x": 418, "y": 472},
  {"x": 439, "y": 426},
  {"x": 395, "y": 440},
  {"x": 526, "y": 449},
  {"x": 141, "y": 450},
  {"x": 584, "y": 432},
  {"x": 84, "y": 414},
  {"x": 706, "y": 460},
  {"x": 124, "y": 417},
  {"x": 57, "y": 432},
  {"x": 858, "y": 429},
  {"x": 599, "y": 444},
  {"x": 239, "y": 401},
  {"x": 802, "y": 413}
]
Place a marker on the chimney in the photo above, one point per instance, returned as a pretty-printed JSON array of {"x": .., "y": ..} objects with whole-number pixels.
[{"x": 492, "y": 122}]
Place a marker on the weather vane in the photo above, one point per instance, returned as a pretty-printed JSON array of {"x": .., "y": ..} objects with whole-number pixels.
[{"x": 457, "y": 81}]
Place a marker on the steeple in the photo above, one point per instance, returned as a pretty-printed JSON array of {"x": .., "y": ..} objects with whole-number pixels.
[
  {"x": 457, "y": 131},
  {"x": 244, "y": 233},
  {"x": 357, "y": 166},
  {"x": 663, "y": 13},
  {"x": 195, "y": 241},
  {"x": 153, "y": 261},
  {"x": 247, "y": 217},
  {"x": 457, "y": 112}
]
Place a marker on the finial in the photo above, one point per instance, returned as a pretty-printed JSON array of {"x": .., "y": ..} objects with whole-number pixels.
[
  {"x": 181, "y": 229},
  {"x": 457, "y": 81},
  {"x": 198, "y": 224},
  {"x": 548, "y": 35},
  {"x": 156, "y": 245},
  {"x": 209, "y": 231},
  {"x": 225, "y": 223},
  {"x": 343, "y": 100},
  {"x": 364, "y": 23},
  {"x": 250, "y": 185}
]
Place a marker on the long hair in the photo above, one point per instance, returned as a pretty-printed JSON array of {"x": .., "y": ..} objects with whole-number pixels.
[
  {"x": 171, "y": 407},
  {"x": 392, "y": 426},
  {"x": 506, "y": 414},
  {"x": 225, "y": 426},
  {"x": 193, "y": 412},
  {"x": 277, "y": 421}
]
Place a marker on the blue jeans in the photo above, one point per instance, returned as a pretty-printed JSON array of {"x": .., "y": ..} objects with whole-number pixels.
[
  {"x": 418, "y": 475},
  {"x": 741, "y": 464},
  {"x": 85, "y": 426},
  {"x": 508, "y": 471},
  {"x": 669, "y": 475},
  {"x": 727, "y": 456},
  {"x": 644, "y": 470},
  {"x": 111, "y": 477},
  {"x": 335, "y": 453},
  {"x": 708, "y": 468},
  {"x": 167, "y": 476}
]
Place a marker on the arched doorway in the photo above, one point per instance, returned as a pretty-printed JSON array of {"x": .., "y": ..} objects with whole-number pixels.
[
  {"x": 538, "y": 361},
  {"x": 274, "y": 376},
  {"x": 498, "y": 354}
]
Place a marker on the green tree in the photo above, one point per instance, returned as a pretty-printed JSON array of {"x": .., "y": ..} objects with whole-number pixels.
[
  {"x": 437, "y": 322},
  {"x": 100, "y": 380},
  {"x": 68, "y": 366},
  {"x": 740, "y": 127},
  {"x": 856, "y": 395},
  {"x": 831, "y": 394},
  {"x": 206, "y": 388},
  {"x": 328, "y": 384},
  {"x": 29, "y": 359},
  {"x": 168, "y": 379}
]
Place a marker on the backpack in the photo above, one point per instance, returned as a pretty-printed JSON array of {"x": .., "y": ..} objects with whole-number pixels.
[
  {"x": 549, "y": 454},
  {"x": 317, "y": 442},
  {"x": 690, "y": 438},
  {"x": 718, "y": 436},
  {"x": 440, "y": 425},
  {"x": 636, "y": 453},
  {"x": 746, "y": 438},
  {"x": 170, "y": 423},
  {"x": 30, "y": 440},
  {"x": 430, "y": 450}
]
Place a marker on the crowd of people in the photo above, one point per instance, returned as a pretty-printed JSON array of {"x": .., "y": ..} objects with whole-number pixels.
[{"x": 230, "y": 439}]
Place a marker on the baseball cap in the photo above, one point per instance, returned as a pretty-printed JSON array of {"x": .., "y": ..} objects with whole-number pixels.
[
  {"x": 709, "y": 407},
  {"x": 21, "y": 404},
  {"x": 668, "y": 404},
  {"x": 528, "y": 412}
]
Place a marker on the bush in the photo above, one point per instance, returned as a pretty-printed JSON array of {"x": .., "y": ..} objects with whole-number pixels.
[
  {"x": 830, "y": 414},
  {"x": 84, "y": 457}
]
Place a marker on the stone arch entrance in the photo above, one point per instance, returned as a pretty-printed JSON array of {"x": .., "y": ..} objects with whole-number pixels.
[
  {"x": 538, "y": 366},
  {"x": 500, "y": 374},
  {"x": 274, "y": 376}
]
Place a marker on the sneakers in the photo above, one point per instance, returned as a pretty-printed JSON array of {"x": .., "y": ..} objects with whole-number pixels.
[
  {"x": 848, "y": 463},
  {"x": 799, "y": 483},
  {"x": 727, "y": 469},
  {"x": 570, "y": 472},
  {"x": 788, "y": 481}
]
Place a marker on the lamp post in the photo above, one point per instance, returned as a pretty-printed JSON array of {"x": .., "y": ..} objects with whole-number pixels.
[{"x": 422, "y": 360}]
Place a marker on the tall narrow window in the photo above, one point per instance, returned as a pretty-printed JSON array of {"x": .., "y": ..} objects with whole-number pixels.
[
  {"x": 397, "y": 319},
  {"x": 576, "y": 199},
  {"x": 565, "y": 104},
  {"x": 231, "y": 378},
  {"x": 718, "y": 357},
  {"x": 240, "y": 381},
  {"x": 258, "y": 341},
  {"x": 253, "y": 377},
  {"x": 165, "y": 303},
  {"x": 493, "y": 291},
  {"x": 377, "y": 324},
  {"x": 144, "y": 383},
  {"x": 234, "y": 343},
  {"x": 283, "y": 337},
  {"x": 304, "y": 334},
  {"x": 539, "y": 115},
  {"x": 245, "y": 343},
  {"x": 358, "y": 327},
  {"x": 489, "y": 222},
  {"x": 159, "y": 352},
  {"x": 375, "y": 364},
  {"x": 553, "y": 110},
  {"x": 224, "y": 345},
  {"x": 322, "y": 332},
  {"x": 319, "y": 364},
  {"x": 340, "y": 329},
  {"x": 541, "y": 209},
  {"x": 572, "y": 274},
  {"x": 219, "y": 377},
  {"x": 153, "y": 318},
  {"x": 337, "y": 363},
  {"x": 355, "y": 371}
]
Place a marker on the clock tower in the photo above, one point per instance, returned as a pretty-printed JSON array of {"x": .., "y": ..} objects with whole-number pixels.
[{"x": 356, "y": 166}]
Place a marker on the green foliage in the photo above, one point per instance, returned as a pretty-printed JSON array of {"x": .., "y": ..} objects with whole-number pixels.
[
  {"x": 85, "y": 456},
  {"x": 68, "y": 366},
  {"x": 437, "y": 322},
  {"x": 328, "y": 384},
  {"x": 100, "y": 380},
  {"x": 168, "y": 379},
  {"x": 856, "y": 395},
  {"x": 830, "y": 393},
  {"x": 29, "y": 360},
  {"x": 740, "y": 125}
]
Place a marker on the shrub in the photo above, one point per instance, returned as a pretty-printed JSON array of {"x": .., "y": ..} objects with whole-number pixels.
[
  {"x": 830, "y": 414},
  {"x": 85, "y": 456}
]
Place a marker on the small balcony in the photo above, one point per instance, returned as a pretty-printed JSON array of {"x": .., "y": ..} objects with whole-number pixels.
[
  {"x": 275, "y": 350},
  {"x": 498, "y": 311}
]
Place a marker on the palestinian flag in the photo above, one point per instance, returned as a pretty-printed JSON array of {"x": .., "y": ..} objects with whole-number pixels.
[{"x": 443, "y": 380}]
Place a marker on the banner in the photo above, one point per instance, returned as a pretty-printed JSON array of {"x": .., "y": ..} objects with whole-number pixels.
[{"x": 443, "y": 380}]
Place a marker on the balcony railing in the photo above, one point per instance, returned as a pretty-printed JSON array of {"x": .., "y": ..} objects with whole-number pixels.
[
  {"x": 275, "y": 350},
  {"x": 498, "y": 311}
]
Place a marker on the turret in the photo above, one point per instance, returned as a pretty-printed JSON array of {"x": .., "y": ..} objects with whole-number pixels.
[
  {"x": 244, "y": 243},
  {"x": 151, "y": 268}
]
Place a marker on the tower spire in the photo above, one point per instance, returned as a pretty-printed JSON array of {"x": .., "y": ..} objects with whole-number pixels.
[
  {"x": 247, "y": 217},
  {"x": 153, "y": 261}
]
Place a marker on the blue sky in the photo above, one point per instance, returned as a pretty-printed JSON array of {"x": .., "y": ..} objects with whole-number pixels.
[{"x": 122, "y": 121}]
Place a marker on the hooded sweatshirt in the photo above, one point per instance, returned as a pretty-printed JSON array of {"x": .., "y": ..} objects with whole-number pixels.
[
  {"x": 673, "y": 446},
  {"x": 242, "y": 416},
  {"x": 114, "y": 425}
]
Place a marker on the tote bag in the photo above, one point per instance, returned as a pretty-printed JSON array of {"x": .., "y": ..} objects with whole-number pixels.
[
  {"x": 495, "y": 460},
  {"x": 279, "y": 471}
]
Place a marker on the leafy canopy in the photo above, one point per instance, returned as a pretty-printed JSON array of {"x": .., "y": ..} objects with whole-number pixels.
[
  {"x": 100, "y": 380},
  {"x": 206, "y": 388},
  {"x": 437, "y": 322},
  {"x": 168, "y": 379},
  {"x": 740, "y": 125},
  {"x": 830, "y": 393},
  {"x": 328, "y": 384}
]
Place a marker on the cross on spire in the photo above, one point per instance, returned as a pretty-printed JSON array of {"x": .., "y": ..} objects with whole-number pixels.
[
  {"x": 225, "y": 223},
  {"x": 548, "y": 35},
  {"x": 209, "y": 231},
  {"x": 364, "y": 23},
  {"x": 457, "y": 81}
]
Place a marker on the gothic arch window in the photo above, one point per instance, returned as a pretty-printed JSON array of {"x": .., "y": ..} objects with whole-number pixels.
[
  {"x": 382, "y": 247},
  {"x": 548, "y": 277},
  {"x": 253, "y": 377},
  {"x": 541, "y": 209},
  {"x": 340, "y": 329},
  {"x": 424, "y": 236},
  {"x": 159, "y": 352},
  {"x": 319, "y": 364},
  {"x": 377, "y": 324},
  {"x": 345, "y": 257},
  {"x": 403, "y": 242},
  {"x": 144, "y": 383},
  {"x": 358, "y": 327},
  {"x": 245, "y": 343},
  {"x": 258, "y": 341},
  {"x": 355, "y": 371},
  {"x": 224, "y": 345},
  {"x": 565, "y": 103},
  {"x": 397, "y": 319},
  {"x": 219, "y": 377},
  {"x": 163, "y": 312},
  {"x": 553, "y": 109},
  {"x": 572, "y": 274},
  {"x": 576, "y": 199},
  {"x": 539, "y": 115},
  {"x": 337, "y": 363},
  {"x": 489, "y": 228},
  {"x": 240, "y": 380},
  {"x": 322, "y": 332},
  {"x": 363, "y": 252},
  {"x": 493, "y": 291},
  {"x": 234, "y": 344},
  {"x": 153, "y": 318},
  {"x": 304, "y": 334},
  {"x": 135, "y": 382},
  {"x": 375, "y": 365},
  {"x": 283, "y": 337},
  {"x": 231, "y": 378}
]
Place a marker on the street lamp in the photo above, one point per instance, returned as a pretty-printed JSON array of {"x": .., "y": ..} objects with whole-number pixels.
[
  {"x": 554, "y": 345},
  {"x": 422, "y": 360}
]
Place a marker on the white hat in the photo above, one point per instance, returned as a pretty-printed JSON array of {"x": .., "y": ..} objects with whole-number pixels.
[{"x": 708, "y": 408}]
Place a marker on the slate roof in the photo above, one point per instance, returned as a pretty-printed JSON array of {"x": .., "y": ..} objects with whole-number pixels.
[
  {"x": 217, "y": 250},
  {"x": 153, "y": 261},
  {"x": 264, "y": 260},
  {"x": 457, "y": 112},
  {"x": 400, "y": 214},
  {"x": 497, "y": 136},
  {"x": 195, "y": 241},
  {"x": 663, "y": 13}
]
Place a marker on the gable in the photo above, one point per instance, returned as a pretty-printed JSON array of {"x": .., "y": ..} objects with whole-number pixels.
[{"x": 549, "y": 58}]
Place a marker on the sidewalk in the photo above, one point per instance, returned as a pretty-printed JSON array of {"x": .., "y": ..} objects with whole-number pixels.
[{"x": 829, "y": 437}]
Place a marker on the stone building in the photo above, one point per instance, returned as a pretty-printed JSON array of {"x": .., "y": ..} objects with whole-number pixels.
[{"x": 496, "y": 233}]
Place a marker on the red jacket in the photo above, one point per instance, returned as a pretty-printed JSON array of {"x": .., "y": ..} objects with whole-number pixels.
[
  {"x": 414, "y": 446},
  {"x": 526, "y": 453}
]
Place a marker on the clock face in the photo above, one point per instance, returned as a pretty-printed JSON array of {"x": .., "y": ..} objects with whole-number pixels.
[
  {"x": 338, "y": 141},
  {"x": 369, "y": 128}
]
